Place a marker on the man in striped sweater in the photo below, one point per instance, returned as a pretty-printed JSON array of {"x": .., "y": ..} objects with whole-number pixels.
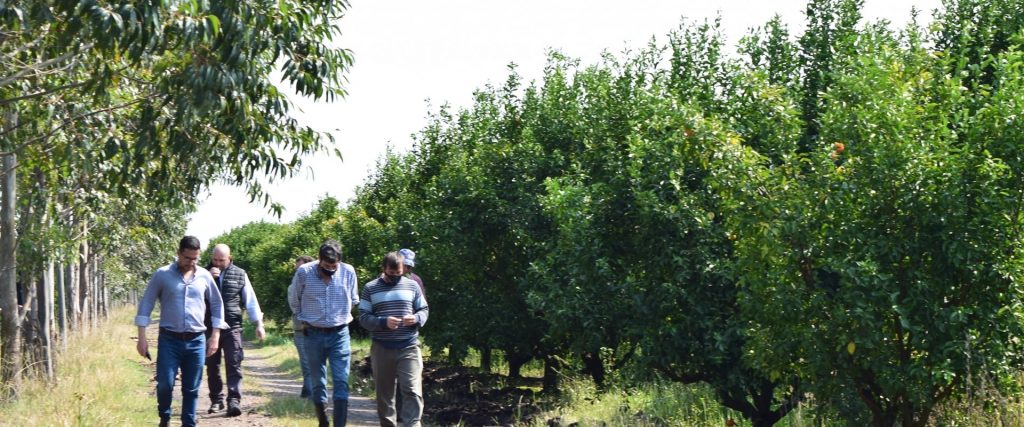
[{"x": 393, "y": 309}]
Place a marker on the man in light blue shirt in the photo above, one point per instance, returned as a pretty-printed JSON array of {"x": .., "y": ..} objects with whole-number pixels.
[
  {"x": 323, "y": 293},
  {"x": 183, "y": 290}
]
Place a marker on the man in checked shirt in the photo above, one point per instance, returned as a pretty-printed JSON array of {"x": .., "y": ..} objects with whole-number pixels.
[{"x": 324, "y": 292}]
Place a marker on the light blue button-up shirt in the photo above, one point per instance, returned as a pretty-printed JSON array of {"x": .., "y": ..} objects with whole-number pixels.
[
  {"x": 320, "y": 304},
  {"x": 182, "y": 303}
]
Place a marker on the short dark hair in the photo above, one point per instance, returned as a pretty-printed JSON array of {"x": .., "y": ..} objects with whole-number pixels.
[
  {"x": 330, "y": 251},
  {"x": 188, "y": 243},
  {"x": 303, "y": 259},
  {"x": 391, "y": 260}
]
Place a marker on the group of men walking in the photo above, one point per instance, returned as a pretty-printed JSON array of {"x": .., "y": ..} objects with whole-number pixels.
[{"x": 201, "y": 323}]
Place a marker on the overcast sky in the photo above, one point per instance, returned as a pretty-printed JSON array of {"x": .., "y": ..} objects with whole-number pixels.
[{"x": 410, "y": 51}]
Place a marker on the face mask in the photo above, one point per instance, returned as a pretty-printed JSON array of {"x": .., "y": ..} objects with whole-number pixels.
[
  {"x": 328, "y": 272},
  {"x": 392, "y": 279}
]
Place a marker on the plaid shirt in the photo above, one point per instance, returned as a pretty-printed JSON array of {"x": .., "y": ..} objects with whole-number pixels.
[{"x": 320, "y": 304}]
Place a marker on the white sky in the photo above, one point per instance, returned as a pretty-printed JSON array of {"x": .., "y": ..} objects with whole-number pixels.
[{"x": 410, "y": 51}]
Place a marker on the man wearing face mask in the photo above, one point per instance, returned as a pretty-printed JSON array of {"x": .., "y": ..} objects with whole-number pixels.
[
  {"x": 322, "y": 299},
  {"x": 393, "y": 309}
]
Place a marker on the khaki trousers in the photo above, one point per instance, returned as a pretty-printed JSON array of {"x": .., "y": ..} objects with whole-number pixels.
[{"x": 405, "y": 365}]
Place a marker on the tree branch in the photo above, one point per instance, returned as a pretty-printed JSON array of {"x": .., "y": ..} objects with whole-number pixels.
[
  {"x": 38, "y": 94},
  {"x": 17, "y": 76},
  {"x": 67, "y": 122}
]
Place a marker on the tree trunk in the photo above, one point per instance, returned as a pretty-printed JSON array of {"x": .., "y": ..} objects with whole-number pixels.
[
  {"x": 83, "y": 279},
  {"x": 71, "y": 293},
  {"x": 515, "y": 364},
  {"x": 594, "y": 366},
  {"x": 46, "y": 320},
  {"x": 550, "y": 381},
  {"x": 61, "y": 311},
  {"x": 29, "y": 353},
  {"x": 93, "y": 290},
  {"x": 10, "y": 329},
  {"x": 485, "y": 359},
  {"x": 106, "y": 295}
]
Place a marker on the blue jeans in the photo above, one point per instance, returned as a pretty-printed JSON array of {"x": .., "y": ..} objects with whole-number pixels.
[
  {"x": 300, "y": 340},
  {"x": 172, "y": 353},
  {"x": 321, "y": 347}
]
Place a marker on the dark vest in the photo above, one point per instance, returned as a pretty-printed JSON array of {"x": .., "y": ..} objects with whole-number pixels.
[{"x": 231, "y": 282}]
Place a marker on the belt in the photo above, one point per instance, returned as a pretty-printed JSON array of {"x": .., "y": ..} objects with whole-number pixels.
[
  {"x": 187, "y": 336},
  {"x": 309, "y": 327}
]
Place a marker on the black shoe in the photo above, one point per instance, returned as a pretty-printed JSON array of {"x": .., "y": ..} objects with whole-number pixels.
[
  {"x": 233, "y": 409},
  {"x": 216, "y": 407},
  {"x": 304, "y": 393},
  {"x": 164, "y": 422}
]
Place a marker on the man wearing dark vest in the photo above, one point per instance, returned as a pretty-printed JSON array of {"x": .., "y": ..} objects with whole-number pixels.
[{"x": 237, "y": 293}]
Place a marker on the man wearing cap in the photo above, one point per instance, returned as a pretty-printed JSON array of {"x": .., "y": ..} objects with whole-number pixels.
[
  {"x": 409, "y": 258},
  {"x": 322, "y": 298},
  {"x": 183, "y": 289},
  {"x": 393, "y": 309}
]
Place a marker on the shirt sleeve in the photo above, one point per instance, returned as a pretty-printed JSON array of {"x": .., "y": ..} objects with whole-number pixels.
[
  {"x": 216, "y": 306},
  {"x": 294, "y": 290},
  {"x": 252, "y": 305},
  {"x": 148, "y": 302},
  {"x": 367, "y": 318},
  {"x": 420, "y": 309},
  {"x": 353, "y": 287}
]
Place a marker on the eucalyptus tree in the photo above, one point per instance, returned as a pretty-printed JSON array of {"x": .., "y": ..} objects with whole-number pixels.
[{"x": 156, "y": 100}]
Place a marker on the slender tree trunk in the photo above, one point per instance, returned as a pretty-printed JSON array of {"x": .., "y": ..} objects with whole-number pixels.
[
  {"x": 46, "y": 320},
  {"x": 29, "y": 349},
  {"x": 71, "y": 293},
  {"x": 83, "y": 280},
  {"x": 94, "y": 286},
  {"x": 10, "y": 329},
  {"x": 62, "y": 313},
  {"x": 106, "y": 295}
]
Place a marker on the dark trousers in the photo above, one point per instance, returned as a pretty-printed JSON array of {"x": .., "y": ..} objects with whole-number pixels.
[
  {"x": 231, "y": 352},
  {"x": 187, "y": 354}
]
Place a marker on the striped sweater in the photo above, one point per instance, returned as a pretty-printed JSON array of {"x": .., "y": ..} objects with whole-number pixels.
[{"x": 378, "y": 300}]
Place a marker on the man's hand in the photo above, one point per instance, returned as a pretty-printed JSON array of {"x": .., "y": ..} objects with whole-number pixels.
[
  {"x": 213, "y": 343},
  {"x": 215, "y": 272},
  {"x": 142, "y": 346},
  {"x": 409, "y": 320},
  {"x": 260, "y": 332},
  {"x": 394, "y": 322}
]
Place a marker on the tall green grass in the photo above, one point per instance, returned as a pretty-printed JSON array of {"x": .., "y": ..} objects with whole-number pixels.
[{"x": 100, "y": 381}]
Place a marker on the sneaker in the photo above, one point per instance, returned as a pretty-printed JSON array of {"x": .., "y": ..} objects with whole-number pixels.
[
  {"x": 233, "y": 409},
  {"x": 216, "y": 407}
]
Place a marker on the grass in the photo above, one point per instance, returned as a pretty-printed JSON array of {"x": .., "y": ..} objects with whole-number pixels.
[
  {"x": 101, "y": 381},
  {"x": 654, "y": 404}
]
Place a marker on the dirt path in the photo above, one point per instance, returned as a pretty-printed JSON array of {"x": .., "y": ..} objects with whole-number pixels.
[{"x": 262, "y": 383}]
